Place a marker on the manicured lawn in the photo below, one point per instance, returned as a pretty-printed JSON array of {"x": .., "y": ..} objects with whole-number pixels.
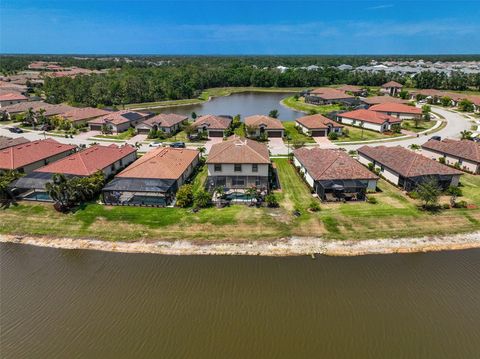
[
  {"x": 300, "y": 105},
  {"x": 357, "y": 134},
  {"x": 126, "y": 135},
  {"x": 409, "y": 125},
  {"x": 295, "y": 135},
  {"x": 200, "y": 178},
  {"x": 470, "y": 188}
]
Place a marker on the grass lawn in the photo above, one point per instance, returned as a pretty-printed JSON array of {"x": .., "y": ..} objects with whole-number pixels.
[
  {"x": 295, "y": 135},
  {"x": 300, "y": 105},
  {"x": 126, "y": 135},
  {"x": 356, "y": 134},
  {"x": 409, "y": 125}
]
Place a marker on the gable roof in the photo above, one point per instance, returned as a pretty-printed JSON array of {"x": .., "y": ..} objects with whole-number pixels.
[
  {"x": 13, "y": 96},
  {"x": 328, "y": 93},
  {"x": 119, "y": 117},
  {"x": 350, "y": 88},
  {"x": 406, "y": 162},
  {"x": 239, "y": 150},
  {"x": 52, "y": 110},
  {"x": 165, "y": 120},
  {"x": 392, "y": 84},
  {"x": 269, "y": 122},
  {"x": 374, "y": 100},
  {"x": 370, "y": 116},
  {"x": 161, "y": 163},
  {"x": 89, "y": 160},
  {"x": 24, "y": 106},
  {"x": 317, "y": 121},
  {"x": 213, "y": 122},
  {"x": 21, "y": 155},
  {"x": 326, "y": 164},
  {"x": 396, "y": 107},
  {"x": 6, "y": 142},
  {"x": 84, "y": 113},
  {"x": 464, "y": 149}
]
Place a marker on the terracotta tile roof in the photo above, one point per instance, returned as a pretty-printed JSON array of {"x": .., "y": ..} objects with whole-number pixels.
[
  {"x": 392, "y": 84},
  {"x": 370, "y": 116},
  {"x": 165, "y": 120},
  {"x": 474, "y": 99},
  {"x": 269, "y": 122},
  {"x": 328, "y": 93},
  {"x": 84, "y": 113},
  {"x": 13, "y": 96},
  {"x": 6, "y": 142},
  {"x": 350, "y": 88},
  {"x": 119, "y": 117},
  {"x": 397, "y": 108},
  {"x": 24, "y": 106},
  {"x": 239, "y": 150},
  {"x": 19, "y": 156},
  {"x": 317, "y": 121},
  {"x": 464, "y": 149},
  {"x": 213, "y": 122},
  {"x": 161, "y": 163},
  {"x": 406, "y": 162},
  {"x": 89, "y": 160},
  {"x": 324, "y": 164},
  {"x": 52, "y": 110},
  {"x": 374, "y": 100}
]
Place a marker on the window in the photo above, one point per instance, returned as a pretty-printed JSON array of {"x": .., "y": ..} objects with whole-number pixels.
[
  {"x": 254, "y": 167},
  {"x": 240, "y": 181},
  {"x": 217, "y": 167},
  {"x": 121, "y": 162},
  {"x": 237, "y": 167}
]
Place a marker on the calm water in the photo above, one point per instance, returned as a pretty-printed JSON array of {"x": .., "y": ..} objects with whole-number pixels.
[
  {"x": 245, "y": 104},
  {"x": 86, "y": 304}
]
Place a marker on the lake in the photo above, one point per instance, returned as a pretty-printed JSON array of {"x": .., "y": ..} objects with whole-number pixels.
[
  {"x": 87, "y": 304},
  {"x": 244, "y": 103}
]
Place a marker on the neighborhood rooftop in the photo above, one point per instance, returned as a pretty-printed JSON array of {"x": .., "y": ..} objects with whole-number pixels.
[
  {"x": 239, "y": 150},
  {"x": 166, "y": 119},
  {"x": 317, "y": 121},
  {"x": 464, "y": 149},
  {"x": 392, "y": 84},
  {"x": 269, "y": 122},
  {"x": 213, "y": 122},
  {"x": 374, "y": 100},
  {"x": 119, "y": 117},
  {"x": 12, "y": 96},
  {"x": 330, "y": 93},
  {"x": 370, "y": 116},
  {"x": 396, "y": 107},
  {"x": 83, "y": 113},
  {"x": 6, "y": 142}
]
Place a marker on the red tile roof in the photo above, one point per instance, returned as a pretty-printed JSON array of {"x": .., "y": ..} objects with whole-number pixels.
[
  {"x": 392, "y": 84},
  {"x": 239, "y": 150},
  {"x": 328, "y": 93},
  {"x": 165, "y": 120},
  {"x": 396, "y": 108},
  {"x": 119, "y": 117},
  {"x": 317, "y": 121},
  {"x": 406, "y": 162},
  {"x": 161, "y": 163},
  {"x": 24, "y": 106},
  {"x": 84, "y": 113},
  {"x": 374, "y": 100},
  {"x": 89, "y": 161},
  {"x": 13, "y": 96},
  {"x": 369, "y": 116},
  {"x": 464, "y": 149},
  {"x": 213, "y": 122},
  {"x": 19, "y": 156},
  {"x": 269, "y": 122},
  {"x": 324, "y": 164},
  {"x": 350, "y": 88}
]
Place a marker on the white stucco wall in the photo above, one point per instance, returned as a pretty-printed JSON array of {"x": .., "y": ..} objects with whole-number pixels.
[
  {"x": 308, "y": 177},
  {"x": 450, "y": 160},
  {"x": 33, "y": 166},
  {"x": 228, "y": 170}
]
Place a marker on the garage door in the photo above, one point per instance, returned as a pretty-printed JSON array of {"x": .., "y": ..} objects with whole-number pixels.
[
  {"x": 318, "y": 133},
  {"x": 143, "y": 131},
  {"x": 274, "y": 133},
  {"x": 95, "y": 127},
  {"x": 215, "y": 133}
]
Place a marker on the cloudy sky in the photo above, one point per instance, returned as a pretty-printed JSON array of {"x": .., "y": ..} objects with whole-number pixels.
[{"x": 240, "y": 27}]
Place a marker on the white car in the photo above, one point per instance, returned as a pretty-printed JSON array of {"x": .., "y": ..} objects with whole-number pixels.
[{"x": 155, "y": 144}]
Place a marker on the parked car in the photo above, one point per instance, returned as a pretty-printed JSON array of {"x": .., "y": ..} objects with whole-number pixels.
[
  {"x": 15, "y": 130},
  {"x": 156, "y": 144},
  {"x": 436, "y": 138},
  {"x": 178, "y": 145}
]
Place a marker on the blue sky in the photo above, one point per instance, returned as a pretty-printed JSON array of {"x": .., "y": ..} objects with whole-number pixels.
[{"x": 240, "y": 27}]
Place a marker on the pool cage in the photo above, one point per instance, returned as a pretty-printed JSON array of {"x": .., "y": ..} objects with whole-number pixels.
[
  {"x": 410, "y": 183},
  {"x": 341, "y": 190}
]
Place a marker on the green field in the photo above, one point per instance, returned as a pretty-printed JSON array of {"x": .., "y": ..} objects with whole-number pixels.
[
  {"x": 300, "y": 105},
  {"x": 409, "y": 125},
  {"x": 295, "y": 135}
]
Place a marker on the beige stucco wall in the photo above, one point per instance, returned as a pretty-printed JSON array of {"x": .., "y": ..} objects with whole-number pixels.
[
  {"x": 228, "y": 170},
  {"x": 33, "y": 166}
]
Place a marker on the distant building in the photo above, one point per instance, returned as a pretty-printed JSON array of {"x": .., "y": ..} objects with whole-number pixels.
[
  {"x": 391, "y": 88},
  {"x": 267, "y": 125},
  {"x": 213, "y": 126},
  {"x": 6, "y": 142},
  {"x": 317, "y": 125},
  {"x": 327, "y": 95},
  {"x": 464, "y": 154},
  {"x": 375, "y": 100},
  {"x": 354, "y": 90},
  {"x": 167, "y": 122},
  {"x": 80, "y": 116},
  {"x": 11, "y": 98},
  {"x": 371, "y": 120},
  {"x": 118, "y": 121},
  {"x": 398, "y": 110}
]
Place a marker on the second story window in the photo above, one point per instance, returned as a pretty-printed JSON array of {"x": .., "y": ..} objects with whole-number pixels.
[
  {"x": 217, "y": 167},
  {"x": 237, "y": 167},
  {"x": 255, "y": 168}
]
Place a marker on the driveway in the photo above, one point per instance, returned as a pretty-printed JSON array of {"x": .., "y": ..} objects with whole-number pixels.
[
  {"x": 324, "y": 142},
  {"x": 211, "y": 142},
  {"x": 137, "y": 138},
  {"x": 86, "y": 135},
  {"x": 277, "y": 146}
]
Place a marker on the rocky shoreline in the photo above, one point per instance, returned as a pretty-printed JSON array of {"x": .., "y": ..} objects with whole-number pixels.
[{"x": 294, "y": 246}]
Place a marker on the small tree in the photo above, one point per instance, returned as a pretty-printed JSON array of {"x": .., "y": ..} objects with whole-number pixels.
[
  {"x": 428, "y": 192},
  {"x": 6, "y": 178},
  {"x": 466, "y": 135},
  {"x": 466, "y": 105},
  {"x": 185, "y": 196},
  {"x": 193, "y": 115},
  {"x": 273, "y": 113},
  {"x": 332, "y": 136},
  {"x": 296, "y": 143},
  {"x": 426, "y": 112},
  {"x": 446, "y": 101},
  {"x": 202, "y": 150},
  {"x": 271, "y": 200},
  {"x": 201, "y": 199},
  {"x": 403, "y": 94}
]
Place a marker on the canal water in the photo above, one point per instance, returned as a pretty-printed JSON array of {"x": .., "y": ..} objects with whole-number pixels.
[
  {"x": 244, "y": 104},
  {"x": 88, "y": 304}
]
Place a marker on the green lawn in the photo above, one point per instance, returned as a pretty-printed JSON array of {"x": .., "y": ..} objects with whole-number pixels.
[
  {"x": 126, "y": 135},
  {"x": 300, "y": 105},
  {"x": 357, "y": 134},
  {"x": 295, "y": 135},
  {"x": 409, "y": 125}
]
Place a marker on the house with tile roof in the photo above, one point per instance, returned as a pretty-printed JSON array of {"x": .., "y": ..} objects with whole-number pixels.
[
  {"x": 353, "y": 90},
  {"x": 213, "y": 126},
  {"x": 153, "y": 179},
  {"x": 108, "y": 159},
  {"x": 328, "y": 95},
  {"x": 6, "y": 142},
  {"x": 169, "y": 123},
  {"x": 398, "y": 110},
  {"x": 407, "y": 169},
  {"x": 371, "y": 120},
  {"x": 264, "y": 125},
  {"x": 238, "y": 164},
  {"x": 463, "y": 154},
  {"x": 317, "y": 125},
  {"x": 375, "y": 100},
  {"x": 80, "y": 116},
  {"x": 11, "y": 98},
  {"x": 391, "y": 88},
  {"x": 30, "y": 156},
  {"x": 118, "y": 121},
  {"x": 333, "y": 175}
]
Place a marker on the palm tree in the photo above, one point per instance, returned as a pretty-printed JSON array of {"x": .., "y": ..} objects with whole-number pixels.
[
  {"x": 202, "y": 150},
  {"x": 273, "y": 113},
  {"x": 361, "y": 124},
  {"x": 29, "y": 118},
  {"x": 466, "y": 135}
]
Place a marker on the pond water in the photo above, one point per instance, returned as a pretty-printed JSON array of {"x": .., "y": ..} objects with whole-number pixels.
[
  {"x": 245, "y": 104},
  {"x": 88, "y": 304}
]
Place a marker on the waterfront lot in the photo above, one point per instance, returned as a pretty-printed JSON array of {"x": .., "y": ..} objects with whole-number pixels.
[{"x": 395, "y": 215}]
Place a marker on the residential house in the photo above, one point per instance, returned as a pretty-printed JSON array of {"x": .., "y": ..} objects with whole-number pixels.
[
  {"x": 333, "y": 175},
  {"x": 80, "y": 116},
  {"x": 371, "y": 120},
  {"x": 327, "y": 96},
  {"x": 265, "y": 125},
  {"x": 108, "y": 159},
  {"x": 391, "y": 88},
  {"x": 406, "y": 168},
  {"x": 153, "y": 179},
  {"x": 353, "y": 90},
  {"x": 29, "y": 156},
  {"x": 464, "y": 154},
  {"x": 213, "y": 126},
  {"x": 118, "y": 121},
  {"x": 22, "y": 107},
  {"x": 6, "y": 142},
  {"x": 11, "y": 98},
  {"x": 398, "y": 110},
  {"x": 169, "y": 123},
  {"x": 375, "y": 100},
  {"x": 238, "y": 164},
  {"x": 317, "y": 125}
]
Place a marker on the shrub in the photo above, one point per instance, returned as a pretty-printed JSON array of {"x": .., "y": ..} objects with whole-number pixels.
[
  {"x": 271, "y": 200},
  {"x": 185, "y": 196},
  {"x": 201, "y": 199},
  {"x": 314, "y": 205},
  {"x": 461, "y": 204},
  {"x": 446, "y": 206},
  {"x": 371, "y": 166},
  {"x": 332, "y": 136},
  {"x": 372, "y": 200},
  {"x": 441, "y": 160},
  {"x": 454, "y": 191}
]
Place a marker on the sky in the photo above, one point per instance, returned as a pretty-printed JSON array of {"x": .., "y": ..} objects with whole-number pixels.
[{"x": 240, "y": 27}]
